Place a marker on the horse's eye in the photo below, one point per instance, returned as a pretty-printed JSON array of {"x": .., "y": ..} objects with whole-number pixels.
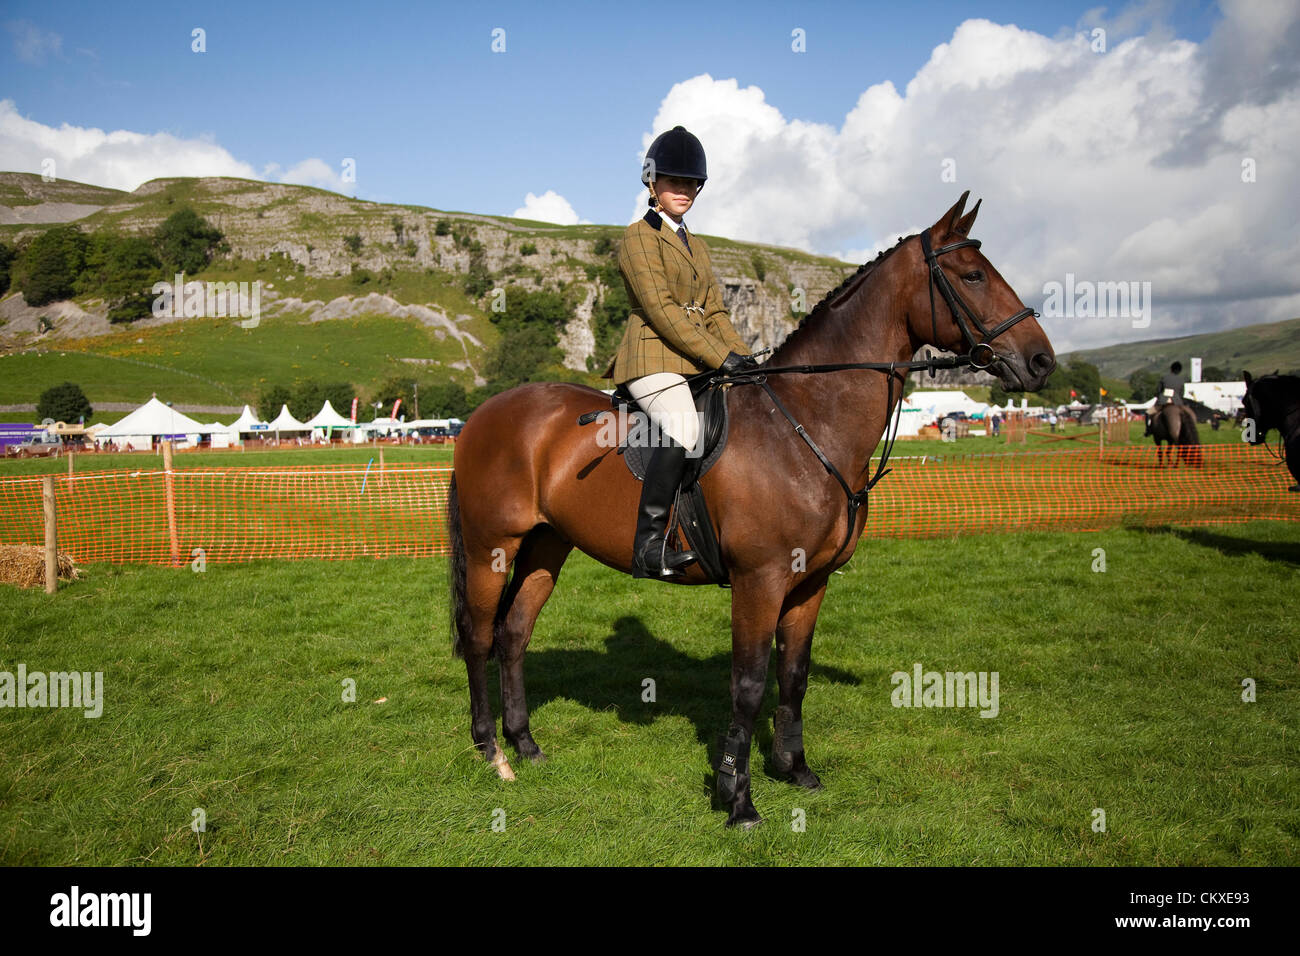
[{"x": 975, "y": 276}]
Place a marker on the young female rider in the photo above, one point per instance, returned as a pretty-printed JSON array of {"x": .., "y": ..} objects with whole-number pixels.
[{"x": 678, "y": 327}]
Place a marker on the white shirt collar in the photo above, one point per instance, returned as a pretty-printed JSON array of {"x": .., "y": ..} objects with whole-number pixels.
[{"x": 675, "y": 223}]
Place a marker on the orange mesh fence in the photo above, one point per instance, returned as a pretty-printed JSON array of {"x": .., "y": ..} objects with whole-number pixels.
[
  {"x": 345, "y": 512},
  {"x": 237, "y": 514},
  {"x": 926, "y": 496}
]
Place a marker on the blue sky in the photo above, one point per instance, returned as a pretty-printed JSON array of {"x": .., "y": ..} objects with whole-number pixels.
[
  {"x": 1160, "y": 156},
  {"x": 433, "y": 117}
]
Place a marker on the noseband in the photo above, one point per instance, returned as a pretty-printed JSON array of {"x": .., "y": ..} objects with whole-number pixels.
[{"x": 981, "y": 352}]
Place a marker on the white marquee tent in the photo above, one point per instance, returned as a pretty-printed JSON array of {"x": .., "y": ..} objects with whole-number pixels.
[
  {"x": 285, "y": 422},
  {"x": 327, "y": 420},
  {"x": 153, "y": 420}
]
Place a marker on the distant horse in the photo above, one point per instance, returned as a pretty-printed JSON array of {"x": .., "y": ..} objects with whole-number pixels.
[
  {"x": 1175, "y": 424},
  {"x": 1273, "y": 401},
  {"x": 530, "y": 484}
]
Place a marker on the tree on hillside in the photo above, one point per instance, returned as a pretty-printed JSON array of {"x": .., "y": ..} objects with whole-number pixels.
[
  {"x": 122, "y": 269},
  {"x": 6, "y": 259},
  {"x": 64, "y": 403},
  {"x": 1143, "y": 384},
  {"x": 526, "y": 354},
  {"x": 46, "y": 269},
  {"x": 447, "y": 400},
  {"x": 608, "y": 314},
  {"x": 393, "y": 388},
  {"x": 270, "y": 400},
  {"x": 186, "y": 241},
  {"x": 310, "y": 396}
]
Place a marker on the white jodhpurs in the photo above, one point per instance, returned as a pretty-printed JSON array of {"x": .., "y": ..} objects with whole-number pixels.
[{"x": 666, "y": 399}]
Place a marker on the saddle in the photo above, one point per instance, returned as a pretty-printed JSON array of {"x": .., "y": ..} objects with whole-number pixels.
[{"x": 690, "y": 514}]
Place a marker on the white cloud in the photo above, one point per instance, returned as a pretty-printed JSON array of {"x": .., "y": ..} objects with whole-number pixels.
[
  {"x": 32, "y": 44},
  {"x": 1122, "y": 165},
  {"x": 550, "y": 206},
  {"x": 311, "y": 172},
  {"x": 122, "y": 159}
]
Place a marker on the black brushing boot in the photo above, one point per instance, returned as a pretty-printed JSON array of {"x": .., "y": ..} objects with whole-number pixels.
[{"x": 650, "y": 555}]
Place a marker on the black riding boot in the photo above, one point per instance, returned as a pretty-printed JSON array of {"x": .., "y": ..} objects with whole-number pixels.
[{"x": 650, "y": 555}]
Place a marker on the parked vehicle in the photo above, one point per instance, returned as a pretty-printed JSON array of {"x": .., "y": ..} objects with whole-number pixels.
[{"x": 38, "y": 446}]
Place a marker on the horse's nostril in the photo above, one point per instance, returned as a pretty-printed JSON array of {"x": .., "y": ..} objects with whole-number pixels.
[{"x": 1042, "y": 363}]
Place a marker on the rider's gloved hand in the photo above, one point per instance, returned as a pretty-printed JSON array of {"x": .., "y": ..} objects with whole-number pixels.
[{"x": 734, "y": 364}]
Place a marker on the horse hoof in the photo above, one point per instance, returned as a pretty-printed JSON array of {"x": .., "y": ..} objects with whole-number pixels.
[
  {"x": 745, "y": 823},
  {"x": 807, "y": 779},
  {"x": 502, "y": 766}
]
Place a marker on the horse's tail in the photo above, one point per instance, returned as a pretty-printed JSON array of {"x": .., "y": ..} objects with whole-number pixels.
[
  {"x": 460, "y": 620},
  {"x": 1192, "y": 440}
]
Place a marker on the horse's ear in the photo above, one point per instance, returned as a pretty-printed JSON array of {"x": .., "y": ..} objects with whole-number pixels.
[
  {"x": 948, "y": 221},
  {"x": 963, "y": 225},
  {"x": 1246, "y": 376}
]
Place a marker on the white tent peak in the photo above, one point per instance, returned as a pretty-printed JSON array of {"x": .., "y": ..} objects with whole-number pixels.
[
  {"x": 154, "y": 418},
  {"x": 285, "y": 422},
  {"x": 327, "y": 417}
]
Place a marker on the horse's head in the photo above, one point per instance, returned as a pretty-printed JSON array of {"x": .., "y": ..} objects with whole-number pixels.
[
  {"x": 1256, "y": 407},
  {"x": 1151, "y": 421},
  {"x": 974, "y": 309}
]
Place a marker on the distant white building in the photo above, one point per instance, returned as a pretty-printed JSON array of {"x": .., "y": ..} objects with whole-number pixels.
[
  {"x": 937, "y": 403},
  {"x": 1223, "y": 397}
]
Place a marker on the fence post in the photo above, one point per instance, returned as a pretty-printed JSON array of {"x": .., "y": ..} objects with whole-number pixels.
[
  {"x": 169, "y": 491},
  {"x": 381, "y": 466},
  {"x": 51, "y": 535}
]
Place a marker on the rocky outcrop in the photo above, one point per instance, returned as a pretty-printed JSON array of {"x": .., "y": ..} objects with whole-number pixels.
[{"x": 311, "y": 228}]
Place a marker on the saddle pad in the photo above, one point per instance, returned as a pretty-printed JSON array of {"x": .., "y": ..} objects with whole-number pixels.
[{"x": 712, "y": 405}]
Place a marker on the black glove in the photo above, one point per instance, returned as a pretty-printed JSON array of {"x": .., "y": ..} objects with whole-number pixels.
[{"x": 734, "y": 364}]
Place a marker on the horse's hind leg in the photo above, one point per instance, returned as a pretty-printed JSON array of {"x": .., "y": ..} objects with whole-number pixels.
[
  {"x": 486, "y": 581},
  {"x": 794, "y": 652},
  {"x": 536, "y": 569}
]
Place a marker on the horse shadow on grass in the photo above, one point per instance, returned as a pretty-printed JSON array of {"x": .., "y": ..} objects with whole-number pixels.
[
  {"x": 694, "y": 688},
  {"x": 1283, "y": 552}
]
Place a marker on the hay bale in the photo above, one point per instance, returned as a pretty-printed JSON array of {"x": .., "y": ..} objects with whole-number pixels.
[{"x": 24, "y": 565}]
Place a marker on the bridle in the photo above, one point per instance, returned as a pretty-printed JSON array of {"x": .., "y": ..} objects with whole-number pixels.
[
  {"x": 957, "y": 305},
  {"x": 980, "y": 357}
]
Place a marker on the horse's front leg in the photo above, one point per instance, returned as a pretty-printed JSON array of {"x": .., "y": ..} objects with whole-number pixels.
[
  {"x": 755, "y": 609},
  {"x": 794, "y": 652}
]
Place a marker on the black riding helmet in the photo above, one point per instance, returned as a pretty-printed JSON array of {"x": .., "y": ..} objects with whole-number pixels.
[{"x": 675, "y": 153}]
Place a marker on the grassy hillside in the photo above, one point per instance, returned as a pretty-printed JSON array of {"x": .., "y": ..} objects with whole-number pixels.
[
  {"x": 318, "y": 248},
  {"x": 1258, "y": 348}
]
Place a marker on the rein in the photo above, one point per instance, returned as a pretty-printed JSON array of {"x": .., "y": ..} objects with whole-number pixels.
[{"x": 980, "y": 357}]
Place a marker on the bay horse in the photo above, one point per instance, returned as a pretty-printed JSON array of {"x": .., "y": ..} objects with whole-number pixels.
[
  {"x": 1273, "y": 401},
  {"x": 1175, "y": 424},
  {"x": 530, "y": 484}
]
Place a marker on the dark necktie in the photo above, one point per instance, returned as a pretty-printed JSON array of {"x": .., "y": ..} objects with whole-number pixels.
[{"x": 681, "y": 234}]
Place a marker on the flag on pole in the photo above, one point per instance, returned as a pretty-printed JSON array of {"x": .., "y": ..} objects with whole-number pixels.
[
  {"x": 354, "y": 409},
  {"x": 396, "y": 405}
]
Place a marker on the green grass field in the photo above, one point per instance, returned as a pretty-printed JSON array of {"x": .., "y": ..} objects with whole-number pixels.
[{"x": 1119, "y": 691}]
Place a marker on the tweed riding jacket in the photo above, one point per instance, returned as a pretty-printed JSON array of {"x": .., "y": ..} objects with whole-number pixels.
[{"x": 678, "y": 322}]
